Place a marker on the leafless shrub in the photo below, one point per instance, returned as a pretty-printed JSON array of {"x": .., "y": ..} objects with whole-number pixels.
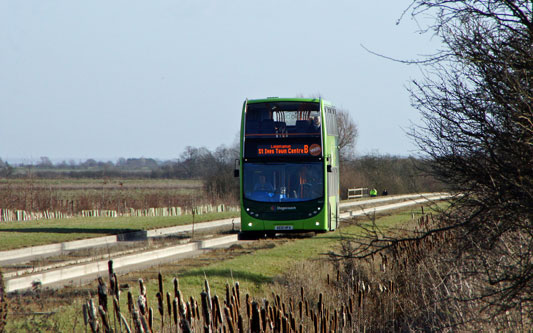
[
  {"x": 3, "y": 304},
  {"x": 321, "y": 302},
  {"x": 432, "y": 282},
  {"x": 476, "y": 106}
]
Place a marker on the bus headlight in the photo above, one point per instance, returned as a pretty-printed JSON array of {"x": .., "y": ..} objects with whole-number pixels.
[
  {"x": 317, "y": 223},
  {"x": 250, "y": 224}
]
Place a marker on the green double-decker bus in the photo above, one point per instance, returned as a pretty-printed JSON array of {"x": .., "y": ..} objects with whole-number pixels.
[{"x": 288, "y": 166}]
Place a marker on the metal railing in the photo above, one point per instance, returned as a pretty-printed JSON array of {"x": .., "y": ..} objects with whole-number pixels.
[{"x": 354, "y": 193}]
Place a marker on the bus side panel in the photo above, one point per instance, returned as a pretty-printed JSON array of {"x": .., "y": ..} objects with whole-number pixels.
[
  {"x": 330, "y": 136},
  {"x": 333, "y": 212},
  {"x": 241, "y": 155},
  {"x": 333, "y": 183}
]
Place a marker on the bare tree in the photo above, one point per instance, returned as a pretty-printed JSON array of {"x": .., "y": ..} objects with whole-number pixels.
[
  {"x": 347, "y": 128},
  {"x": 477, "y": 106},
  {"x": 478, "y": 113},
  {"x": 348, "y": 133},
  {"x": 6, "y": 170},
  {"x": 45, "y": 162}
]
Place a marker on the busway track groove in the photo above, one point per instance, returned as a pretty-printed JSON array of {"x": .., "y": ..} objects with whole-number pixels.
[{"x": 59, "y": 276}]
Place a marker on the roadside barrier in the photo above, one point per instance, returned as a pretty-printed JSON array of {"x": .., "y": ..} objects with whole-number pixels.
[
  {"x": 10, "y": 215},
  {"x": 360, "y": 192}
]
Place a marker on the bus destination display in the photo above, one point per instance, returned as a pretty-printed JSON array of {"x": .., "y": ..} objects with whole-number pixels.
[{"x": 289, "y": 150}]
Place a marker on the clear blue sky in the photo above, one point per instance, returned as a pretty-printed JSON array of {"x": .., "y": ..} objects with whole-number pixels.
[{"x": 125, "y": 78}]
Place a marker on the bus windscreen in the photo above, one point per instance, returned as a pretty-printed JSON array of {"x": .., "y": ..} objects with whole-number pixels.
[
  {"x": 283, "y": 182},
  {"x": 283, "y": 119}
]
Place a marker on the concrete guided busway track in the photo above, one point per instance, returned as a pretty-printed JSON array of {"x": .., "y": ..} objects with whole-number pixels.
[
  {"x": 67, "y": 275},
  {"x": 28, "y": 253}
]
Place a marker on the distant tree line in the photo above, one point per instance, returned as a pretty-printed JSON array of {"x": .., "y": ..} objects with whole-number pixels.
[
  {"x": 90, "y": 168},
  {"x": 395, "y": 174},
  {"x": 6, "y": 170}
]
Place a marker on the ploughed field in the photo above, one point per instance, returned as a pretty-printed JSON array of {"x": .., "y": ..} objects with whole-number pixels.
[{"x": 76, "y": 195}]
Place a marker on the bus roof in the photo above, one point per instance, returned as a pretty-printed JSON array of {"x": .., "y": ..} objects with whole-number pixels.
[{"x": 287, "y": 99}]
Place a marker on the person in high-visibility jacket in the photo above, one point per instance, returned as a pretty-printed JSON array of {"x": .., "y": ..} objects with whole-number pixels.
[{"x": 373, "y": 192}]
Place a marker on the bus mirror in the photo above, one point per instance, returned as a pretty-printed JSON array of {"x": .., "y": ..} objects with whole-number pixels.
[
  {"x": 329, "y": 168},
  {"x": 236, "y": 170}
]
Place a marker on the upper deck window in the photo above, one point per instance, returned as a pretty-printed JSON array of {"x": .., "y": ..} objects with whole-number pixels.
[{"x": 283, "y": 119}]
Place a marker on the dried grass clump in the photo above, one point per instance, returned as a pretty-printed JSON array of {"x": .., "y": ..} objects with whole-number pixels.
[
  {"x": 425, "y": 284},
  {"x": 3, "y": 305},
  {"x": 232, "y": 313},
  {"x": 338, "y": 295}
]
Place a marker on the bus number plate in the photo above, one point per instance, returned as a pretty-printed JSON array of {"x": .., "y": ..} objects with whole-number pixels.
[{"x": 283, "y": 227}]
